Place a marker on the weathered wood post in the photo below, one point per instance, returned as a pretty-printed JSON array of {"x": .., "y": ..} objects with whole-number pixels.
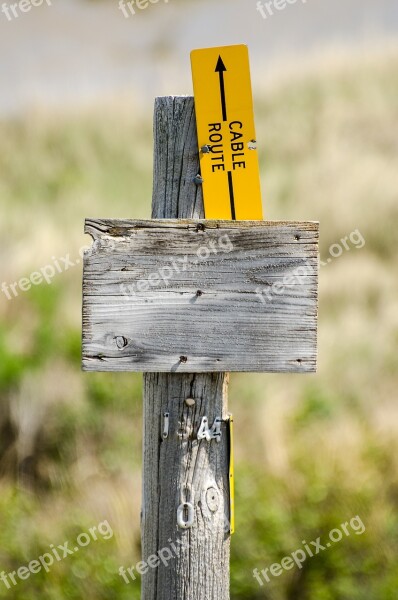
[{"x": 201, "y": 571}]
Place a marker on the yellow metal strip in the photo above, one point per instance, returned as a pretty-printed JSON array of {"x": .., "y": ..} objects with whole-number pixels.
[
  {"x": 226, "y": 133},
  {"x": 231, "y": 476},
  {"x": 228, "y": 153}
]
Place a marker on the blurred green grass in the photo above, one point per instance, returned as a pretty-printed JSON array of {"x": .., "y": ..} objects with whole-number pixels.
[{"x": 311, "y": 452}]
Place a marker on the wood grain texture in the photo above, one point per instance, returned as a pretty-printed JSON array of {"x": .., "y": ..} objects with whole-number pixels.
[
  {"x": 201, "y": 569},
  {"x": 236, "y": 296}
]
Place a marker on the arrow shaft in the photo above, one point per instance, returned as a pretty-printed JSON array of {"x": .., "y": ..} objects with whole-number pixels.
[
  {"x": 231, "y": 195},
  {"x": 223, "y": 99}
]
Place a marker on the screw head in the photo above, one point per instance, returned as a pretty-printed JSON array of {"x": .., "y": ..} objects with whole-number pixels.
[
  {"x": 190, "y": 402},
  {"x": 198, "y": 180}
]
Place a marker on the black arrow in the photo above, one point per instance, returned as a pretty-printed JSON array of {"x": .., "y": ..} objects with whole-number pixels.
[
  {"x": 220, "y": 69},
  {"x": 231, "y": 195}
]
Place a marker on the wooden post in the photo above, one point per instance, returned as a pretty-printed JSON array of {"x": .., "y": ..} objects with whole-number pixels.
[{"x": 180, "y": 467}]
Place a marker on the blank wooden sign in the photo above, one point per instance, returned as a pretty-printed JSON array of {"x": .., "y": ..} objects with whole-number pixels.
[{"x": 200, "y": 296}]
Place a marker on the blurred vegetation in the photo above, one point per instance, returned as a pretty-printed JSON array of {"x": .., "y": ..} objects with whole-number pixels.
[{"x": 311, "y": 452}]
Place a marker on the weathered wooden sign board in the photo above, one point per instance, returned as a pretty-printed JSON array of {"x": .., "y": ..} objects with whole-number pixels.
[
  {"x": 189, "y": 296},
  {"x": 187, "y": 299}
]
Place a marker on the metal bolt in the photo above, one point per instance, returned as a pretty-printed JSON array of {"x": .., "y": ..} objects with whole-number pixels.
[
  {"x": 206, "y": 149},
  {"x": 198, "y": 180},
  {"x": 190, "y": 402}
]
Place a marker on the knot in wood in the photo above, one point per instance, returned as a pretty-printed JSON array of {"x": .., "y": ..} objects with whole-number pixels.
[
  {"x": 212, "y": 499},
  {"x": 121, "y": 342}
]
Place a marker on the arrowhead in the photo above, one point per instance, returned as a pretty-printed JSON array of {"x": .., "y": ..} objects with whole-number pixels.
[{"x": 220, "y": 65}]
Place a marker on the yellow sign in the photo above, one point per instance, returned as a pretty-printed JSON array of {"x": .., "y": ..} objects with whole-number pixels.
[{"x": 226, "y": 133}]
